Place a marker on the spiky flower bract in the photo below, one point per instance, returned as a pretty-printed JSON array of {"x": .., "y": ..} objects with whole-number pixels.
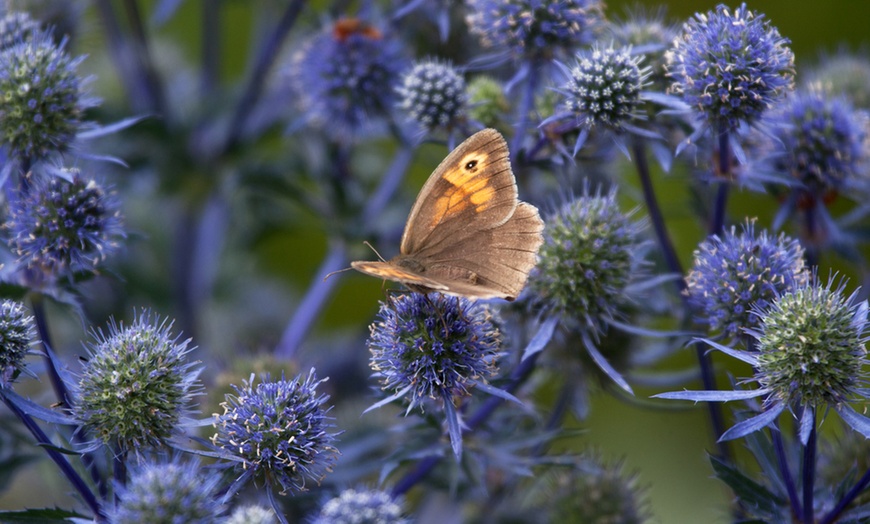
[
  {"x": 730, "y": 66},
  {"x": 602, "y": 90},
  {"x": 280, "y": 430},
  {"x": 58, "y": 225},
  {"x": 735, "y": 271},
  {"x": 432, "y": 346},
  {"x": 17, "y": 26},
  {"x": 811, "y": 345},
  {"x": 535, "y": 28},
  {"x": 345, "y": 77},
  {"x": 17, "y": 331},
  {"x": 590, "y": 254},
  {"x": 42, "y": 106},
  {"x": 588, "y": 491},
  {"x": 821, "y": 143},
  {"x": 354, "y": 506},
  {"x": 650, "y": 35},
  {"x": 252, "y": 515},
  {"x": 169, "y": 493},
  {"x": 137, "y": 384},
  {"x": 432, "y": 94}
]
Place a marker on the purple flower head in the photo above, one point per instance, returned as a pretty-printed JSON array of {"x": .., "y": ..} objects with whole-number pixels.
[
  {"x": 730, "y": 66},
  {"x": 17, "y": 332},
  {"x": 280, "y": 431},
  {"x": 432, "y": 94},
  {"x": 358, "y": 506}
]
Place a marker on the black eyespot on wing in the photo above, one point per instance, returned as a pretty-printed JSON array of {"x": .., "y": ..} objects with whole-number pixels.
[{"x": 471, "y": 165}]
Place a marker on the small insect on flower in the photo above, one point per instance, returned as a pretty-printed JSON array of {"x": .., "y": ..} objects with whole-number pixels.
[{"x": 280, "y": 430}]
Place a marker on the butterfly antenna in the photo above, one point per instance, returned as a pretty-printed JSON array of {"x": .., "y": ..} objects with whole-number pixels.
[
  {"x": 334, "y": 272},
  {"x": 366, "y": 242}
]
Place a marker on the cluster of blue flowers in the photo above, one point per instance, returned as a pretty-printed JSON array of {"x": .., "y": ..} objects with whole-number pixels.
[{"x": 462, "y": 400}]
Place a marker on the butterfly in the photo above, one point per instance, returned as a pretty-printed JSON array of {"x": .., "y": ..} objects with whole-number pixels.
[{"x": 467, "y": 234}]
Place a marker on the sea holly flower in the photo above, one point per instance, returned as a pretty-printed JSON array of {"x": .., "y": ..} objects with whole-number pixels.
[
  {"x": 650, "y": 35},
  {"x": 17, "y": 332},
  {"x": 169, "y": 493},
  {"x": 603, "y": 90},
  {"x": 252, "y": 515},
  {"x": 730, "y": 67},
  {"x": 590, "y": 259},
  {"x": 137, "y": 384},
  {"x": 487, "y": 102},
  {"x": 17, "y": 26},
  {"x": 279, "y": 431},
  {"x": 842, "y": 74},
  {"x": 735, "y": 272},
  {"x": 434, "y": 347},
  {"x": 59, "y": 225},
  {"x": 809, "y": 354},
  {"x": 433, "y": 95},
  {"x": 361, "y": 506},
  {"x": 44, "y": 100},
  {"x": 345, "y": 77},
  {"x": 535, "y": 28}
]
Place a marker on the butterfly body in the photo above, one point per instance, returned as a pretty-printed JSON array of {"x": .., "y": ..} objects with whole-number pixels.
[{"x": 467, "y": 234}]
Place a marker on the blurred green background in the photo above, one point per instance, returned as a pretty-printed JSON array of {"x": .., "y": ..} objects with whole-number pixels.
[{"x": 666, "y": 447}]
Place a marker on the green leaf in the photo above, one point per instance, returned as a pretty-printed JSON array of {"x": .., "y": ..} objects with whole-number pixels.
[{"x": 751, "y": 493}]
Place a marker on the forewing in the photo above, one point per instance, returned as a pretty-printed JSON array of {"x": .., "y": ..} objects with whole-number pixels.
[
  {"x": 472, "y": 189},
  {"x": 492, "y": 262},
  {"x": 388, "y": 271}
]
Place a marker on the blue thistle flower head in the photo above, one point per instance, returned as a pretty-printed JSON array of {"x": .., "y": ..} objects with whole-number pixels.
[
  {"x": 345, "y": 77},
  {"x": 432, "y": 94},
  {"x": 730, "y": 66},
  {"x": 137, "y": 384},
  {"x": 43, "y": 101},
  {"x": 735, "y": 272},
  {"x": 811, "y": 345},
  {"x": 432, "y": 346},
  {"x": 280, "y": 430},
  {"x": 17, "y": 26},
  {"x": 821, "y": 143},
  {"x": 169, "y": 493},
  {"x": 17, "y": 332},
  {"x": 252, "y": 515},
  {"x": 591, "y": 252},
  {"x": 360, "y": 506},
  {"x": 535, "y": 28},
  {"x": 603, "y": 87},
  {"x": 650, "y": 35},
  {"x": 842, "y": 74},
  {"x": 58, "y": 225}
]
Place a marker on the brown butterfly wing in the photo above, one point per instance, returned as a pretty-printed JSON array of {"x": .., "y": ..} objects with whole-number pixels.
[
  {"x": 488, "y": 263},
  {"x": 391, "y": 271},
  {"x": 472, "y": 189}
]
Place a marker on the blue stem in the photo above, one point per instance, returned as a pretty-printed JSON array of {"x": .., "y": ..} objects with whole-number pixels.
[
  {"x": 426, "y": 465},
  {"x": 847, "y": 499},
  {"x": 211, "y": 48},
  {"x": 336, "y": 258},
  {"x": 525, "y": 107},
  {"x": 809, "y": 472},
  {"x": 785, "y": 471},
  {"x": 65, "y": 467},
  {"x": 717, "y": 222},
  {"x": 150, "y": 78}
]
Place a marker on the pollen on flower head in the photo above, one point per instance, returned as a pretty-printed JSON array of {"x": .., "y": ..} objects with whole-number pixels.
[
  {"x": 603, "y": 87},
  {"x": 17, "y": 331},
  {"x": 345, "y": 77},
  {"x": 280, "y": 430},
  {"x": 58, "y": 225},
  {"x": 168, "y": 493},
  {"x": 733, "y": 272},
  {"x": 811, "y": 345},
  {"x": 433, "y": 345},
  {"x": 590, "y": 254},
  {"x": 432, "y": 94},
  {"x": 43, "y": 105},
  {"x": 533, "y": 28},
  {"x": 136, "y": 384},
  {"x": 358, "y": 506},
  {"x": 730, "y": 66}
]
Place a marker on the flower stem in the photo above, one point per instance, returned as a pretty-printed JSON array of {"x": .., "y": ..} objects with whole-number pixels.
[
  {"x": 847, "y": 499},
  {"x": 519, "y": 375},
  {"x": 319, "y": 292},
  {"x": 65, "y": 467},
  {"x": 525, "y": 107},
  {"x": 717, "y": 222},
  {"x": 150, "y": 78},
  {"x": 784, "y": 471},
  {"x": 263, "y": 64},
  {"x": 809, "y": 471},
  {"x": 211, "y": 49}
]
